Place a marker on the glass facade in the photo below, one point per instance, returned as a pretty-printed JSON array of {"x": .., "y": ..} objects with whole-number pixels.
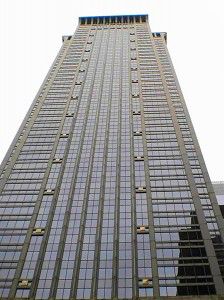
[{"x": 104, "y": 190}]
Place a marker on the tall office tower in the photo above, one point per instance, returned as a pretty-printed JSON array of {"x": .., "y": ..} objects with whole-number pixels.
[{"x": 104, "y": 190}]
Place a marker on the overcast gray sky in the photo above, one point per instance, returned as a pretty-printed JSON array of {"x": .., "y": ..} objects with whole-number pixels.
[{"x": 31, "y": 31}]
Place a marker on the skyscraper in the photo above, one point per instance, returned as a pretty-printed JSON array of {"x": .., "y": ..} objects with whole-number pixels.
[{"x": 104, "y": 190}]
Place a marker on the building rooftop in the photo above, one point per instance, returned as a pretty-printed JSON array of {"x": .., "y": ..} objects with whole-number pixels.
[{"x": 116, "y": 19}]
